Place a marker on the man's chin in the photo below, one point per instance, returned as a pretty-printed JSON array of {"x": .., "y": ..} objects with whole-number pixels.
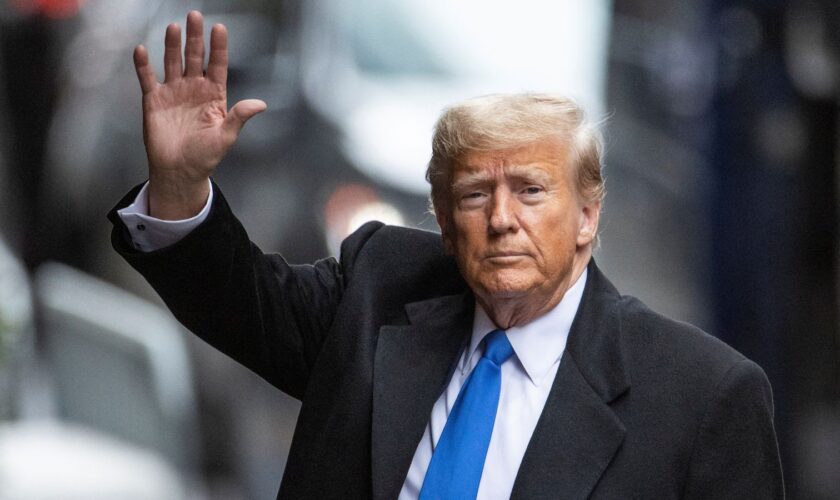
[
  {"x": 505, "y": 295},
  {"x": 508, "y": 289},
  {"x": 504, "y": 284}
]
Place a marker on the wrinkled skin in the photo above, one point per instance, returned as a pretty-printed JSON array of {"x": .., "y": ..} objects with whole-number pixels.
[{"x": 520, "y": 231}]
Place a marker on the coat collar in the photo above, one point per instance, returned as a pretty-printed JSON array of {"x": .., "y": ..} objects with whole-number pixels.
[
  {"x": 577, "y": 433},
  {"x": 412, "y": 365},
  {"x": 595, "y": 340}
]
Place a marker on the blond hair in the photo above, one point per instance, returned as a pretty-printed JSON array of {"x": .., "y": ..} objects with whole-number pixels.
[{"x": 503, "y": 121}]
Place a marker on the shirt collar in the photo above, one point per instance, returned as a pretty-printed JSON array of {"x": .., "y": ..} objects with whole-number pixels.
[{"x": 538, "y": 344}]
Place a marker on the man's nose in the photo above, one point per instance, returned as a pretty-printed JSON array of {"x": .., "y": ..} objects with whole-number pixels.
[{"x": 503, "y": 213}]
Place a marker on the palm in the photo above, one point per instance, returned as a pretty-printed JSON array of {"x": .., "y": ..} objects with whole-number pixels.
[{"x": 183, "y": 126}]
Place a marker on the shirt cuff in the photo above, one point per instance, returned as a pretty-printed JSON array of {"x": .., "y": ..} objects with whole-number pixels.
[{"x": 149, "y": 233}]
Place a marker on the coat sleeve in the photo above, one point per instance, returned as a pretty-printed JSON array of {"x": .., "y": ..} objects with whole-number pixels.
[
  {"x": 266, "y": 314},
  {"x": 735, "y": 452}
]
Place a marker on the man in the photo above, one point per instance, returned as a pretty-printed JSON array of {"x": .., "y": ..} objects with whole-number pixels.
[{"x": 495, "y": 361}]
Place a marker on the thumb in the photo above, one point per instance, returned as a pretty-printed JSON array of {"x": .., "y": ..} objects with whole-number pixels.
[{"x": 240, "y": 113}]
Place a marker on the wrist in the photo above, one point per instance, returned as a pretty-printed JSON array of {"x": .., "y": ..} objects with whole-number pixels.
[{"x": 171, "y": 199}]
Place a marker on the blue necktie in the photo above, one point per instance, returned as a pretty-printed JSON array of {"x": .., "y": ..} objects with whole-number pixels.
[{"x": 455, "y": 469}]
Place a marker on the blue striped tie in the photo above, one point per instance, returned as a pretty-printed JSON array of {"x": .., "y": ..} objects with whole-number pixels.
[{"x": 458, "y": 460}]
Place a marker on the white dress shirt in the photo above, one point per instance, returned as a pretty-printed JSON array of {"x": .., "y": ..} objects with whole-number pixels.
[
  {"x": 149, "y": 233},
  {"x": 526, "y": 381},
  {"x": 526, "y": 377}
]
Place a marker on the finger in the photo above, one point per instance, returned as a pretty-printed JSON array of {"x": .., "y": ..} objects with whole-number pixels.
[
  {"x": 194, "y": 50},
  {"x": 145, "y": 72},
  {"x": 218, "y": 65},
  {"x": 172, "y": 64},
  {"x": 240, "y": 113}
]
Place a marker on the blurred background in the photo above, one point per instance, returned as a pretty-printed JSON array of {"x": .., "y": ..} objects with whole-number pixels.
[{"x": 723, "y": 136}]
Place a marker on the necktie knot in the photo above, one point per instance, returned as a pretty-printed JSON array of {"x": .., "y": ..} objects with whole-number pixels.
[{"x": 497, "y": 347}]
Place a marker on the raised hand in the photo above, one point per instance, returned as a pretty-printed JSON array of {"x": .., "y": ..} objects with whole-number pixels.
[{"x": 187, "y": 127}]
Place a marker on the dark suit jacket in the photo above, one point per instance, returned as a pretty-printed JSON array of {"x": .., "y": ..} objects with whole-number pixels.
[{"x": 641, "y": 407}]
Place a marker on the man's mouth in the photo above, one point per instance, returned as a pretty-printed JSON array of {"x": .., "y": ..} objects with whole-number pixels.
[{"x": 506, "y": 257}]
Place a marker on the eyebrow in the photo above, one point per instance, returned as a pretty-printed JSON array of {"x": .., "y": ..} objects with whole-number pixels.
[
  {"x": 470, "y": 179},
  {"x": 478, "y": 176}
]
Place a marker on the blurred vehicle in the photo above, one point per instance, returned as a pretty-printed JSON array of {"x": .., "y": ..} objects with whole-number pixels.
[{"x": 98, "y": 403}]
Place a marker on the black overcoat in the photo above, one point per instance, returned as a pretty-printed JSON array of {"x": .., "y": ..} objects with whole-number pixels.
[{"x": 642, "y": 406}]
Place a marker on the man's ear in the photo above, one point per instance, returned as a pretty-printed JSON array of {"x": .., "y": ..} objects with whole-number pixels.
[{"x": 590, "y": 215}]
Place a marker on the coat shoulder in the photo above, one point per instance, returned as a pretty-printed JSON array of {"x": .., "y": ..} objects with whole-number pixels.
[
  {"x": 656, "y": 333},
  {"x": 674, "y": 354},
  {"x": 398, "y": 263}
]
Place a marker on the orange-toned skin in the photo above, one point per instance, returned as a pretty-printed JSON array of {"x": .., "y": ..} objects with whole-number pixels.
[
  {"x": 187, "y": 127},
  {"x": 520, "y": 231}
]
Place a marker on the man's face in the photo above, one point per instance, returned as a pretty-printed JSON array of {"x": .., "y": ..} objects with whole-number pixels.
[{"x": 516, "y": 224}]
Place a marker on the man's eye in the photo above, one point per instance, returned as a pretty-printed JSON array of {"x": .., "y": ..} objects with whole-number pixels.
[
  {"x": 472, "y": 199},
  {"x": 532, "y": 190}
]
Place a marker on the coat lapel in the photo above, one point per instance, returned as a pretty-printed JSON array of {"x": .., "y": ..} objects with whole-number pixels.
[
  {"x": 413, "y": 363},
  {"x": 578, "y": 433}
]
